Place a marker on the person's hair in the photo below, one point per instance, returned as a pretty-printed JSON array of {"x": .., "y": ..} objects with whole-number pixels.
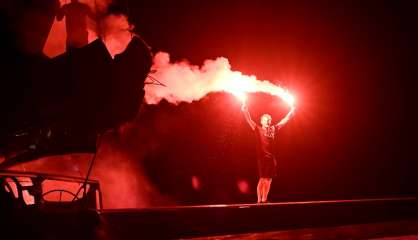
[{"x": 265, "y": 115}]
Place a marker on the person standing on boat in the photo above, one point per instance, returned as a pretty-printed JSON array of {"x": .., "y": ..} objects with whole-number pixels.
[{"x": 265, "y": 135}]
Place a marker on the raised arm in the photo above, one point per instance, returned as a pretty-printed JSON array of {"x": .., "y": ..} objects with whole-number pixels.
[
  {"x": 289, "y": 115},
  {"x": 247, "y": 116}
]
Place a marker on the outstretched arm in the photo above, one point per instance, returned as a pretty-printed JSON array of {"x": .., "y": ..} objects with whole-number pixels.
[
  {"x": 247, "y": 116},
  {"x": 289, "y": 115}
]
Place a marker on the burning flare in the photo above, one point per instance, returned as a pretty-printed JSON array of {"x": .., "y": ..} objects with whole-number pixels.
[{"x": 186, "y": 82}]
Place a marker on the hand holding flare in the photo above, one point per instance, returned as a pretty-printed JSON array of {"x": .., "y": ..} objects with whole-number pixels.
[
  {"x": 244, "y": 107},
  {"x": 243, "y": 97}
]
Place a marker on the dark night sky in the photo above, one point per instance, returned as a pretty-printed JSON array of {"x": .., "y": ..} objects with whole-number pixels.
[{"x": 351, "y": 65}]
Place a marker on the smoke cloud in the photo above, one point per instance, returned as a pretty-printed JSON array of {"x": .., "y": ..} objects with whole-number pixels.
[
  {"x": 186, "y": 82},
  {"x": 123, "y": 181},
  {"x": 116, "y": 33}
]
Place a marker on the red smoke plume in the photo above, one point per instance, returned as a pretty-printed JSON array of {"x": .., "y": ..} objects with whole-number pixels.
[
  {"x": 116, "y": 33},
  {"x": 186, "y": 82}
]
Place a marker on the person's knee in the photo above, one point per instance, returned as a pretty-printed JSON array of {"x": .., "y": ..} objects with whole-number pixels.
[{"x": 265, "y": 180}]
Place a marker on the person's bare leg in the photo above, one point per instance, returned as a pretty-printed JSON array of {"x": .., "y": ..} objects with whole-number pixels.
[
  {"x": 262, "y": 183},
  {"x": 266, "y": 189},
  {"x": 259, "y": 190}
]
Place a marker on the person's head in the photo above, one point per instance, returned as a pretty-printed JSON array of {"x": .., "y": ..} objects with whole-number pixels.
[{"x": 265, "y": 120}]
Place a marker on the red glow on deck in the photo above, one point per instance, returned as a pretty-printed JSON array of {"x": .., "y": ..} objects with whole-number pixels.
[{"x": 122, "y": 181}]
